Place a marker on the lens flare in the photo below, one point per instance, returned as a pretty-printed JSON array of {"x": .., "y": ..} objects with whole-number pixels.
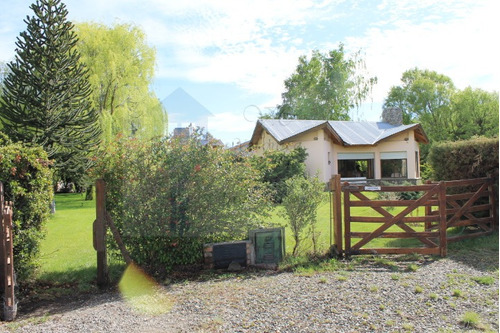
[{"x": 142, "y": 293}]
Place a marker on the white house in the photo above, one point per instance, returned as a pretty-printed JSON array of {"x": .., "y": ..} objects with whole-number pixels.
[{"x": 371, "y": 150}]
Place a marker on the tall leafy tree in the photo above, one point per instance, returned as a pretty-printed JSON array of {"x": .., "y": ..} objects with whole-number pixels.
[
  {"x": 325, "y": 87},
  {"x": 46, "y": 91},
  {"x": 424, "y": 97},
  {"x": 445, "y": 113},
  {"x": 121, "y": 67},
  {"x": 475, "y": 113}
]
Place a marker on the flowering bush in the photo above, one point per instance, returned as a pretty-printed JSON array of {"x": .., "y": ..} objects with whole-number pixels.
[
  {"x": 168, "y": 197},
  {"x": 27, "y": 179}
]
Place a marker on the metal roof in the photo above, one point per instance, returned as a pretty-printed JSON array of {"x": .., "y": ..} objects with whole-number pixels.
[
  {"x": 365, "y": 133},
  {"x": 282, "y": 129},
  {"x": 350, "y": 132}
]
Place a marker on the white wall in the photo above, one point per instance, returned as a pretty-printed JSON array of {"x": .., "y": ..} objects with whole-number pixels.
[{"x": 318, "y": 144}]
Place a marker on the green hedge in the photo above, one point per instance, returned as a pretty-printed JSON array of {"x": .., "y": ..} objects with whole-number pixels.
[
  {"x": 168, "y": 197},
  {"x": 466, "y": 159},
  {"x": 27, "y": 178}
]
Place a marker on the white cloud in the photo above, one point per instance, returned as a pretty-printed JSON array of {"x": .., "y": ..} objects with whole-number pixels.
[{"x": 461, "y": 48}]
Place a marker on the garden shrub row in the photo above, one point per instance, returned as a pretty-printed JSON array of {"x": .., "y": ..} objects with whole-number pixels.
[
  {"x": 27, "y": 177},
  {"x": 168, "y": 197},
  {"x": 465, "y": 159}
]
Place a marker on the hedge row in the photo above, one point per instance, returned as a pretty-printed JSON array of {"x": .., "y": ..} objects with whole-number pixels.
[
  {"x": 466, "y": 159},
  {"x": 27, "y": 178}
]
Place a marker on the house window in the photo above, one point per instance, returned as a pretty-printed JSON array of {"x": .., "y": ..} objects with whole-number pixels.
[
  {"x": 354, "y": 165},
  {"x": 393, "y": 165}
]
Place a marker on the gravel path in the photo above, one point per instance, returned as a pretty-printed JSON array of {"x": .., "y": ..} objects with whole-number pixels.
[{"x": 365, "y": 297}]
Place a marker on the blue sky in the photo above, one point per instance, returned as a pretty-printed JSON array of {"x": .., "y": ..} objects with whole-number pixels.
[{"x": 233, "y": 56}]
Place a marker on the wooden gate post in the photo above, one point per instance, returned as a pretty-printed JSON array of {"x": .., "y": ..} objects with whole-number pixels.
[
  {"x": 336, "y": 207},
  {"x": 493, "y": 204},
  {"x": 2, "y": 244},
  {"x": 7, "y": 260},
  {"x": 100, "y": 234},
  {"x": 443, "y": 226}
]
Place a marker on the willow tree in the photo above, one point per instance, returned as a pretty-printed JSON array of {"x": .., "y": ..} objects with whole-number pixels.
[
  {"x": 121, "y": 67},
  {"x": 46, "y": 91},
  {"x": 325, "y": 86}
]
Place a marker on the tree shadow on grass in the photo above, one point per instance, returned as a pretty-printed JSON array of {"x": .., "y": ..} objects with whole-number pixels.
[
  {"x": 67, "y": 201},
  {"x": 480, "y": 253},
  {"x": 60, "y": 292}
]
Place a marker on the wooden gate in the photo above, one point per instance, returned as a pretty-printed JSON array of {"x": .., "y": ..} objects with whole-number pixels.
[
  {"x": 425, "y": 218},
  {"x": 7, "y": 277},
  {"x": 471, "y": 205}
]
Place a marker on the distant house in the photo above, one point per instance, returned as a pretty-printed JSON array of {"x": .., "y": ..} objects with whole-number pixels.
[
  {"x": 184, "y": 110},
  {"x": 371, "y": 150},
  {"x": 205, "y": 138}
]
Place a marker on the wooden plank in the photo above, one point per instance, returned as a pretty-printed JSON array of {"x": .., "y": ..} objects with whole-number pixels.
[
  {"x": 100, "y": 234},
  {"x": 2, "y": 241},
  {"x": 407, "y": 188},
  {"x": 381, "y": 219},
  {"x": 10, "y": 304},
  {"x": 493, "y": 205},
  {"x": 337, "y": 213},
  {"x": 467, "y": 182},
  {"x": 443, "y": 245},
  {"x": 467, "y": 223},
  {"x": 397, "y": 234},
  {"x": 464, "y": 196},
  {"x": 390, "y": 203},
  {"x": 118, "y": 239},
  {"x": 400, "y": 250},
  {"x": 347, "y": 221},
  {"x": 457, "y": 208}
]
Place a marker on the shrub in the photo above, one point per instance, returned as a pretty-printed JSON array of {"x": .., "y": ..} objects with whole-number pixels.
[
  {"x": 473, "y": 158},
  {"x": 27, "y": 178},
  {"x": 168, "y": 197},
  {"x": 301, "y": 202},
  {"x": 276, "y": 166}
]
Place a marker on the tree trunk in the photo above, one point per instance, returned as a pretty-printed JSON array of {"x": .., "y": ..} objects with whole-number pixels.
[{"x": 89, "y": 194}]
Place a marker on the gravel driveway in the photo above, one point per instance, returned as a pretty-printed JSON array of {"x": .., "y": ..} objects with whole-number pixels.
[{"x": 430, "y": 295}]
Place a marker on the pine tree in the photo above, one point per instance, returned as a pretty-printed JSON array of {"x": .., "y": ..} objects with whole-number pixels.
[{"x": 46, "y": 91}]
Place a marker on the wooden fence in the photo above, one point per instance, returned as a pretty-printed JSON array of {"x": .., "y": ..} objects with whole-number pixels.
[
  {"x": 461, "y": 203},
  {"x": 7, "y": 277}
]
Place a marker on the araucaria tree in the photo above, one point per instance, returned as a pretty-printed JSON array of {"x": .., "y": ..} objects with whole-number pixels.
[
  {"x": 46, "y": 92},
  {"x": 325, "y": 87}
]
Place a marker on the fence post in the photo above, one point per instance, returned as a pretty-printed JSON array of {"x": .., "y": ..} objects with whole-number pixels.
[
  {"x": 336, "y": 206},
  {"x": 2, "y": 243},
  {"x": 7, "y": 275},
  {"x": 347, "y": 221},
  {"x": 443, "y": 240},
  {"x": 100, "y": 234},
  {"x": 428, "y": 212},
  {"x": 493, "y": 204}
]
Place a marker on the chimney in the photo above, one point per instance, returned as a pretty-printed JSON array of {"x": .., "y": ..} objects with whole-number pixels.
[{"x": 393, "y": 116}]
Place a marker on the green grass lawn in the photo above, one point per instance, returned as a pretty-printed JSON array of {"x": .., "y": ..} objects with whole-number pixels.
[
  {"x": 67, "y": 253},
  {"x": 68, "y": 256}
]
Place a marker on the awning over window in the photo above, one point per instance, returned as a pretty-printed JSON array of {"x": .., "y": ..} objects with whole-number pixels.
[
  {"x": 393, "y": 155},
  {"x": 356, "y": 156}
]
